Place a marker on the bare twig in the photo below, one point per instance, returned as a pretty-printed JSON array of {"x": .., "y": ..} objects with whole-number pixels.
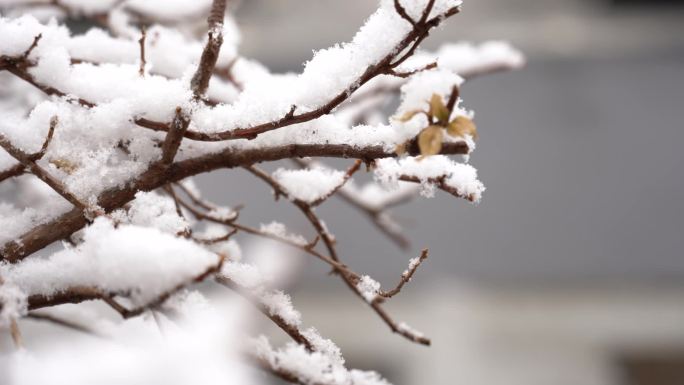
[
  {"x": 406, "y": 275},
  {"x": 141, "y": 42},
  {"x": 32, "y": 47}
]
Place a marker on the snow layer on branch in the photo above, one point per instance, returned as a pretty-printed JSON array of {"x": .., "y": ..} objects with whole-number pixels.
[
  {"x": 142, "y": 260},
  {"x": 312, "y": 367},
  {"x": 377, "y": 196},
  {"x": 249, "y": 278},
  {"x": 279, "y": 230},
  {"x": 308, "y": 185},
  {"x": 429, "y": 170},
  {"x": 330, "y": 72},
  {"x": 466, "y": 58}
]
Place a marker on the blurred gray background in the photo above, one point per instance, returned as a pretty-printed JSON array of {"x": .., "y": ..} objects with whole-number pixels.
[
  {"x": 571, "y": 270},
  {"x": 580, "y": 151}
]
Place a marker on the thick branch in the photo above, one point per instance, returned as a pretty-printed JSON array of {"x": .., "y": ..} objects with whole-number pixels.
[{"x": 66, "y": 224}]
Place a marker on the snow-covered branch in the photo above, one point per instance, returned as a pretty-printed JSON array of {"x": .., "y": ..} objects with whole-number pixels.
[{"x": 103, "y": 131}]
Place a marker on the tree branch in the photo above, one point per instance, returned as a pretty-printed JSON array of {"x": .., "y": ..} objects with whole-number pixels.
[
  {"x": 200, "y": 80},
  {"x": 66, "y": 224}
]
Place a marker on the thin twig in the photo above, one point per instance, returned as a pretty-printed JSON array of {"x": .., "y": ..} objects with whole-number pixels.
[
  {"x": 200, "y": 80},
  {"x": 141, "y": 42},
  {"x": 347, "y": 175},
  {"x": 406, "y": 275}
]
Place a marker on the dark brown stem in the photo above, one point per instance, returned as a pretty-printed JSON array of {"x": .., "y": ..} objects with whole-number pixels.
[
  {"x": 406, "y": 276},
  {"x": 200, "y": 80},
  {"x": 141, "y": 41}
]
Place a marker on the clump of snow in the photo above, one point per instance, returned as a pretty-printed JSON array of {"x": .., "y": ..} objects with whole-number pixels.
[
  {"x": 150, "y": 209},
  {"x": 279, "y": 230},
  {"x": 324, "y": 345},
  {"x": 245, "y": 275},
  {"x": 459, "y": 176},
  {"x": 279, "y": 303},
  {"x": 406, "y": 328},
  {"x": 249, "y": 277},
  {"x": 308, "y": 185},
  {"x": 416, "y": 93},
  {"x": 312, "y": 367},
  {"x": 413, "y": 263},
  {"x": 12, "y": 302},
  {"x": 369, "y": 288},
  {"x": 464, "y": 58}
]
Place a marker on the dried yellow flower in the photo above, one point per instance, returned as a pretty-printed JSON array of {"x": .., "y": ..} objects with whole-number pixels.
[
  {"x": 430, "y": 140},
  {"x": 462, "y": 126},
  {"x": 438, "y": 110},
  {"x": 409, "y": 115}
]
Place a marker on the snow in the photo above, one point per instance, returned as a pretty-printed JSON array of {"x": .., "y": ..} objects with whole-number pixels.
[
  {"x": 312, "y": 367},
  {"x": 249, "y": 277},
  {"x": 404, "y": 327},
  {"x": 12, "y": 302},
  {"x": 279, "y": 303},
  {"x": 141, "y": 260},
  {"x": 377, "y": 196},
  {"x": 465, "y": 58},
  {"x": 279, "y": 230},
  {"x": 417, "y": 91},
  {"x": 459, "y": 176},
  {"x": 138, "y": 352},
  {"x": 308, "y": 185},
  {"x": 150, "y": 209},
  {"x": 368, "y": 287}
]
